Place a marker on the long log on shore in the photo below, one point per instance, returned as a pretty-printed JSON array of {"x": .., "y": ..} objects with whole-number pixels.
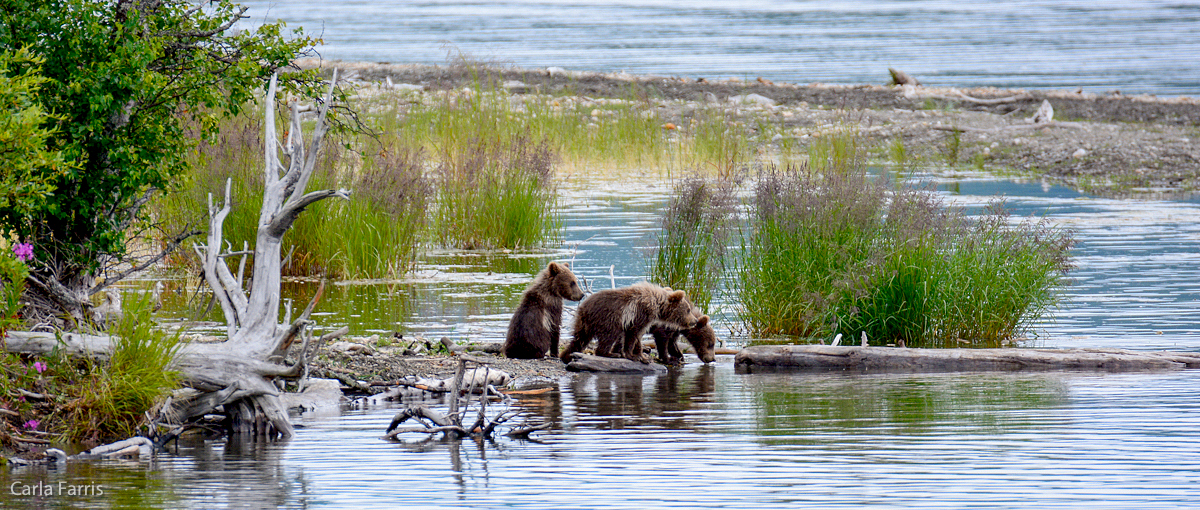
[{"x": 776, "y": 358}]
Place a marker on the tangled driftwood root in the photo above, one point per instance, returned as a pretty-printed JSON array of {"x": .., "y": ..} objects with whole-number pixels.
[{"x": 452, "y": 424}]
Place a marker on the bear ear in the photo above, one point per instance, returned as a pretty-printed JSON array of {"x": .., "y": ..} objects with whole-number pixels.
[
  {"x": 676, "y": 296},
  {"x": 553, "y": 268},
  {"x": 702, "y": 321}
]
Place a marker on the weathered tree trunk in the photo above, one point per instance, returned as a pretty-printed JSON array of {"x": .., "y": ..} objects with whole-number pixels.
[
  {"x": 239, "y": 374},
  {"x": 766, "y": 358}
]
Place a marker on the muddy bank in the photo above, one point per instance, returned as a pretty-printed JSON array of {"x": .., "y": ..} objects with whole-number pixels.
[{"x": 1110, "y": 144}]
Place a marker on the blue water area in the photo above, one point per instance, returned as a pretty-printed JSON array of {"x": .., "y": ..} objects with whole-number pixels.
[
  {"x": 706, "y": 437},
  {"x": 1099, "y": 46}
]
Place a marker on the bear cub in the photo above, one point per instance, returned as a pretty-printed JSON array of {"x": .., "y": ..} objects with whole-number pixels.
[
  {"x": 701, "y": 337},
  {"x": 535, "y": 325},
  {"x": 617, "y": 319}
]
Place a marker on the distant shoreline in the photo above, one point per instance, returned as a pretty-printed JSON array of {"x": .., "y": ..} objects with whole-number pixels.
[{"x": 1112, "y": 145}]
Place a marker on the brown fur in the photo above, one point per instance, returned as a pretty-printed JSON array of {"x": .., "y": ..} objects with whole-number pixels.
[
  {"x": 618, "y": 318},
  {"x": 535, "y": 324},
  {"x": 701, "y": 336}
]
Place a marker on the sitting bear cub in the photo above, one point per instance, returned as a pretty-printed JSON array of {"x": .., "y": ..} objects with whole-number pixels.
[
  {"x": 618, "y": 318},
  {"x": 534, "y": 327}
]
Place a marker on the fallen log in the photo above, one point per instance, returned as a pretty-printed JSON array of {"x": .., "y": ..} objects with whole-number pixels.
[
  {"x": 774, "y": 358},
  {"x": 581, "y": 362}
]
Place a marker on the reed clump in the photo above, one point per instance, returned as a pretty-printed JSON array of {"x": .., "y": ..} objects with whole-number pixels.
[
  {"x": 496, "y": 196},
  {"x": 840, "y": 252},
  {"x": 378, "y": 231},
  {"x": 691, "y": 243}
]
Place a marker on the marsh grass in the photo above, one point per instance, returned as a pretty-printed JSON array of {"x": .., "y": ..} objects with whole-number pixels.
[
  {"x": 841, "y": 252},
  {"x": 489, "y": 197},
  {"x": 379, "y": 230},
  {"x": 696, "y": 228},
  {"x": 717, "y": 144}
]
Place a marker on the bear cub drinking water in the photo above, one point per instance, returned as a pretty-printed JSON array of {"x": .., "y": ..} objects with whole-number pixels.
[
  {"x": 618, "y": 318},
  {"x": 535, "y": 325},
  {"x": 701, "y": 336}
]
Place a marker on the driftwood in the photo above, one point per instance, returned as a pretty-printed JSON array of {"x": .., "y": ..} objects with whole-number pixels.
[
  {"x": 769, "y": 358},
  {"x": 911, "y": 91},
  {"x": 138, "y": 448},
  {"x": 581, "y": 362},
  {"x": 452, "y": 423},
  {"x": 1015, "y": 127}
]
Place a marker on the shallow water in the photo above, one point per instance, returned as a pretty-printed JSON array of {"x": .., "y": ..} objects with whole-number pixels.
[
  {"x": 1136, "y": 283},
  {"x": 704, "y": 436},
  {"x": 1134, "y": 47}
]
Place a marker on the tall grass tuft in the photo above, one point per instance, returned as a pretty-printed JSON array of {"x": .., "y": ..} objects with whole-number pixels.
[
  {"x": 696, "y": 228},
  {"x": 379, "y": 229},
  {"x": 840, "y": 252},
  {"x": 496, "y": 196},
  {"x": 90, "y": 400}
]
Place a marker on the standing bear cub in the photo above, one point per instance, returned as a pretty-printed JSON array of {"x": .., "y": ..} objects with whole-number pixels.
[
  {"x": 618, "y": 318},
  {"x": 701, "y": 336},
  {"x": 535, "y": 325}
]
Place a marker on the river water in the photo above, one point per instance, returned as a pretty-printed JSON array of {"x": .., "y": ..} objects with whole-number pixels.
[
  {"x": 705, "y": 436},
  {"x": 1134, "y": 47}
]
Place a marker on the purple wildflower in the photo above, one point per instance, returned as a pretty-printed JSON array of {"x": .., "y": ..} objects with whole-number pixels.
[
  {"x": 32, "y": 424},
  {"x": 39, "y": 366},
  {"x": 23, "y": 251}
]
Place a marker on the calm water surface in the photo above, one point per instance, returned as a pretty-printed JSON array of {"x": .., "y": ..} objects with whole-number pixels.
[
  {"x": 707, "y": 437},
  {"x": 1134, "y": 47}
]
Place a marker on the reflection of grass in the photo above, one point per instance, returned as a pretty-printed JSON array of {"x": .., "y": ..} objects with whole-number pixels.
[
  {"x": 841, "y": 253},
  {"x": 902, "y": 405}
]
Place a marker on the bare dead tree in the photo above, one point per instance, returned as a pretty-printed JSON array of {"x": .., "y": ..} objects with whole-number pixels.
[{"x": 239, "y": 375}]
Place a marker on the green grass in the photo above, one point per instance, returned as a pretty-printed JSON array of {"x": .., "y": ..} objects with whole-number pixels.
[
  {"x": 378, "y": 231},
  {"x": 492, "y": 198},
  {"x": 88, "y": 400},
  {"x": 696, "y": 228},
  {"x": 845, "y": 253}
]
